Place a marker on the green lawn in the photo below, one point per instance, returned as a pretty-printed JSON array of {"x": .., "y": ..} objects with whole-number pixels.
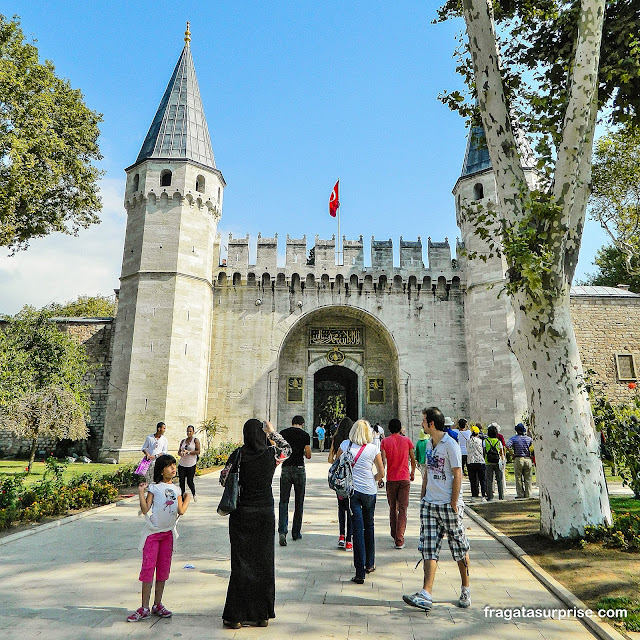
[
  {"x": 10, "y": 467},
  {"x": 623, "y": 504}
]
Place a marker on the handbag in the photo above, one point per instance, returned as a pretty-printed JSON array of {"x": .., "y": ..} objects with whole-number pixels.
[
  {"x": 229, "y": 501},
  {"x": 143, "y": 467}
]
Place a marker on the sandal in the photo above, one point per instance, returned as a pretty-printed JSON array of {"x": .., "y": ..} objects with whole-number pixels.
[{"x": 370, "y": 569}]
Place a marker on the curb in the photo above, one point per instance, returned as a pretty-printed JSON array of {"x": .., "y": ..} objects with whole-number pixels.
[
  {"x": 37, "y": 528},
  {"x": 599, "y": 629}
]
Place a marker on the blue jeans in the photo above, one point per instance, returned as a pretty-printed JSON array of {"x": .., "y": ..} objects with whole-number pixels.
[
  {"x": 296, "y": 477},
  {"x": 363, "y": 507}
]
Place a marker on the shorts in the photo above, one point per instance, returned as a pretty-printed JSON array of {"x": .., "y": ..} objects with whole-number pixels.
[
  {"x": 435, "y": 521},
  {"x": 156, "y": 555}
]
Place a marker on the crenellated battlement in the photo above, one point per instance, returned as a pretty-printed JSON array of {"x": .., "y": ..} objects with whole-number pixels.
[
  {"x": 170, "y": 198},
  {"x": 318, "y": 265}
]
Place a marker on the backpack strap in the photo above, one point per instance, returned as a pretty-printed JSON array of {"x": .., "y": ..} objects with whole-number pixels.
[{"x": 358, "y": 454}]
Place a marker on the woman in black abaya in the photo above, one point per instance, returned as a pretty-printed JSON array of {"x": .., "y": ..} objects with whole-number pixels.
[{"x": 252, "y": 588}]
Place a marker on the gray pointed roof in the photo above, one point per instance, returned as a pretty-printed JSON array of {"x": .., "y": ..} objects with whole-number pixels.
[
  {"x": 476, "y": 157},
  {"x": 179, "y": 129}
]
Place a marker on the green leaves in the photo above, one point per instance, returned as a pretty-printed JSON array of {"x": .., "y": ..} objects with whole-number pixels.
[
  {"x": 48, "y": 141},
  {"x": 43, "y": 387}
]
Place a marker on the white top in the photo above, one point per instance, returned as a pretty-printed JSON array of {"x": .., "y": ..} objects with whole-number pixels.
[
  {"x": 155, "y": 446},
  {"x": 363, "y": 480},
  {"x": 463, "y": 438},
  {"x": 475, "y": 452},
  {"x": 164, "y": 511},
  {"x": 440, "y": 460},
  {"x": 189, "y": 459}
]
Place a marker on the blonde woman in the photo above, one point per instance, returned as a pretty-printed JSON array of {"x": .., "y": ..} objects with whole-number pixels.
[{"x": 363, "y": 500}]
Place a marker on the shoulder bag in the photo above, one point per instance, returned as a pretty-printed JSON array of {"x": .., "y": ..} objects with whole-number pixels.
[{"x": 229, "y": 501}]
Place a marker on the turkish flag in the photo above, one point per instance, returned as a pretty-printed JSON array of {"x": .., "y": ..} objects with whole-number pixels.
[{"x": 334, "y": 200}]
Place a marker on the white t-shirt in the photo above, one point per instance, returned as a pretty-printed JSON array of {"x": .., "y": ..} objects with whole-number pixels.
[
  {"x": 164, "y": 510},
  {"x": 363, "y": 480},
  {"x": 440, "y": 460},
  {"x": 463, "y": 438},
  {"x": 155, "y": 446}
]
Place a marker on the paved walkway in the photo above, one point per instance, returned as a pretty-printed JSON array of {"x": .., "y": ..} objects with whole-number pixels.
[{"x": 79, "y": 580}]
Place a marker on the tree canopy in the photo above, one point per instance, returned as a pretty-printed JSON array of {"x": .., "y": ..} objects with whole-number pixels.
[
  {"x": 615, "y": 200},
  {"x": 43, "y": 386},
  {"x": 612, "y": 270},
  {"x": 85, "y": 307},
  {"x": 48, "y": 143}
]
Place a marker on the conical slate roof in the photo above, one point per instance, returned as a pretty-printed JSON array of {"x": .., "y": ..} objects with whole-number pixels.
[
  {"x": 476, "y": 157},
  {"x": 179, "y": 129}
]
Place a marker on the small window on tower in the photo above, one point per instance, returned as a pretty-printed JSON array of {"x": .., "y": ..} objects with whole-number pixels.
[
  {"x": 478, "y": 191},
  {"x": 136, "y": 182},
  {"x": 165, "y": 178},
  {"x": 200, "y": 184}
]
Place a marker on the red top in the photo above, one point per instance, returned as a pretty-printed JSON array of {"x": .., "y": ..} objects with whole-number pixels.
[{"x": 396, "y": 448}]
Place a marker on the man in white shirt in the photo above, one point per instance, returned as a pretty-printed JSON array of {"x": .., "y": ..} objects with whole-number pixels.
[
  {"x": 441, "y": 509},
  {"x": 155, "y": 445}
]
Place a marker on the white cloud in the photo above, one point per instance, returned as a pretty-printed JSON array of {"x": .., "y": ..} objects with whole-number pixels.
[{"x": 60, "y": 268}]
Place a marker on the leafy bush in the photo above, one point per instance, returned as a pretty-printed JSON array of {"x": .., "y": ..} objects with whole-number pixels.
[
  {"x": 217, "y": 456},
  {"x": 623, "y": 534},
  {"x": 10, "y": 490},
  {"x": 104, "y": 493}
]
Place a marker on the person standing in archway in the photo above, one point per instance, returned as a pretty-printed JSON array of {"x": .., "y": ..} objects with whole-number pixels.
[
  {"x": 293, "y": 474},
  {"x": 397, "y": 453}
]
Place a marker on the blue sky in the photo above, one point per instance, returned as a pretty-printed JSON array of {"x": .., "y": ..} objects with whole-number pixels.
[{"x": 296, "y": 94}]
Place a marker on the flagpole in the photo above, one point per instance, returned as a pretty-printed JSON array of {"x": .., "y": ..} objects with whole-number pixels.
[{"x": 338, "y": 245}]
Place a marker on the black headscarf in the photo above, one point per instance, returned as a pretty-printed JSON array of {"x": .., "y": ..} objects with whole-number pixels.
[{"x": 255, "y": 440}]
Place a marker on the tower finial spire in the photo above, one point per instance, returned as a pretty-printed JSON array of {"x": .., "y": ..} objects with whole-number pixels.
[{"x": 187, "y": 34}]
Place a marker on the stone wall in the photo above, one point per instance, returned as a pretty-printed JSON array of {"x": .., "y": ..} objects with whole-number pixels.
[
  {"x": 605, "y": 326},
  {"x": 95, "y": 335}
]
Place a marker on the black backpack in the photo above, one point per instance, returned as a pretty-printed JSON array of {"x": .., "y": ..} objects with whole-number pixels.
[{"x": 493, "y": 454}]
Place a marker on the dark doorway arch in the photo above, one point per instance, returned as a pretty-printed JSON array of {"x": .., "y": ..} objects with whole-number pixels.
[{"x": 334, "y": 382}]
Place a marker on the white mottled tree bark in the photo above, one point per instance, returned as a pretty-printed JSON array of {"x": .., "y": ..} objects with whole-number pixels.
[{"x": 570, "y": 474}]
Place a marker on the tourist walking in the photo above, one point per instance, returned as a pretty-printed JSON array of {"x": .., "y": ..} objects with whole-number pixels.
[
  {"x": 378, "y": 435},
  {"x": 475, "y": 464},
  {"x": 158, "y": 536},
  {"x": 441, "y": 510},
  {"x": 252, "y": 587},
  {"x": 449, "y": 428},
  {"x": 363, "y": 500},
  {"x": 520, "y": 445},
  {"x": 293, "y": 475},
  {"x": 320, "y": 433},
  {"x": 155, "y": 445},
  {"x": 420, "y": 451},
  {"x": 397, "y": 454},
  {"x": 464, "y": 433},
  {"x": 493, "y": 458},
  {"x": 345, "y": 539},
  {"x": 188, "y": 450}
]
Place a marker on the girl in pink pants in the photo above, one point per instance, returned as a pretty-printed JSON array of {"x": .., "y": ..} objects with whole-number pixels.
[{"x": 166, "y": 505}]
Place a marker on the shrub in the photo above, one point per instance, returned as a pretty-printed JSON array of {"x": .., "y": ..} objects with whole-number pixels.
[
  {"x": 104, "y": 493},
  {"x": 623, "y": 534},
  {"x": 81, "y": 497},
  {"x": 10, "y": 490},
  {"x": 217, "y": 456}
]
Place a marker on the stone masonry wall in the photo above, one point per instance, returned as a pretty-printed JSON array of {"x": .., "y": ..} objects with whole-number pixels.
[
  {"x": 605, "y": 326},
  {"x": 95, "y": 335}
]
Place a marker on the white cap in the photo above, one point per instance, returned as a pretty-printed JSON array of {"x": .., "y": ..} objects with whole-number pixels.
[{"x": 448, "y": 422}]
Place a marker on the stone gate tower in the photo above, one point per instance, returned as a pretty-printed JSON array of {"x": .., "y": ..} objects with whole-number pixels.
[
  {"x": 496, "y": 387},
  {"x": 163, "y": 331}
]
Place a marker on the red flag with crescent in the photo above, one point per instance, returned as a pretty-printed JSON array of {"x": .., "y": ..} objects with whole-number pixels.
[{"x": 334, "y": 200}]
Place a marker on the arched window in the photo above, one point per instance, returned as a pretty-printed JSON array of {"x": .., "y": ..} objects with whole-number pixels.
[
  {"x": 200, "y": 184},
  {"x": 136, "y": 182},
  {"x": 478, "y": 191},
  {"x": 165, "y": 178}
]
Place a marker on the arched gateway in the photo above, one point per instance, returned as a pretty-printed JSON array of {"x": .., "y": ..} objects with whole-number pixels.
[{"x": 338, "y": 351}]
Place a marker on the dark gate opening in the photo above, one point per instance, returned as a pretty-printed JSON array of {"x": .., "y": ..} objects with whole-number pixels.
[{"x": 335, "y": 394}]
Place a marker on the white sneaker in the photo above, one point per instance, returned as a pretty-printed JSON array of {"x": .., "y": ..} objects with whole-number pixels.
[{"x": 465, "y": 599}]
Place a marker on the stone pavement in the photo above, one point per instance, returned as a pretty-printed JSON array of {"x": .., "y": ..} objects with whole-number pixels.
[{"x": 79, "y": 580}]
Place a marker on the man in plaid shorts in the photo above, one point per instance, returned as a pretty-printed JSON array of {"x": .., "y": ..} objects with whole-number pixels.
[{"x": 441, "y": 509}]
